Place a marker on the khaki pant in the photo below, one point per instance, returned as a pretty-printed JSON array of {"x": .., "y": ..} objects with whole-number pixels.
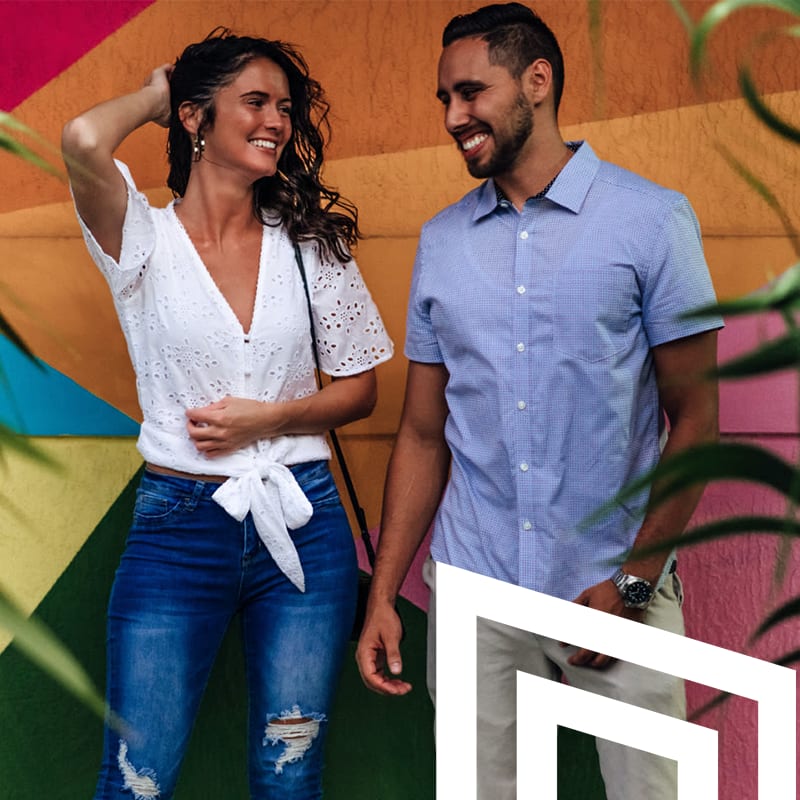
[{"x": 628, "y": 774}]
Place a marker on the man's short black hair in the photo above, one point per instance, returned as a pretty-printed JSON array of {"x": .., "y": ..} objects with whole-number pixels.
[{"x": 516, "y": 37}]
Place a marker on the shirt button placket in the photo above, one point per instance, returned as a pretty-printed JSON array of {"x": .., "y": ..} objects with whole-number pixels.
[
  {"x": 247, "y": 361},
  {"x": 523, "y": 467}
]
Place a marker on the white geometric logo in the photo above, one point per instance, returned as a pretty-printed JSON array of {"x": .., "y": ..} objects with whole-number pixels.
[{"x": 462, "y": 597}]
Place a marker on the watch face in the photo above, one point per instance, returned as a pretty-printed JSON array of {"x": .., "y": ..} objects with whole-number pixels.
[{"x": 637, "y": 592}]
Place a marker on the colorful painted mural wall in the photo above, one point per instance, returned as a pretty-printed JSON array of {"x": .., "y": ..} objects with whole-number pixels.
[{"x": 61, "y": 531}]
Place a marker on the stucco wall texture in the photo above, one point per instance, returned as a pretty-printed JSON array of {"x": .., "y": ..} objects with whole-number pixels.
[{"x": 629, "y": 94}]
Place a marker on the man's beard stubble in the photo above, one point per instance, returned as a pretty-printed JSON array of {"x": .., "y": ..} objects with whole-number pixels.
[{"x": 509, "y": 143}]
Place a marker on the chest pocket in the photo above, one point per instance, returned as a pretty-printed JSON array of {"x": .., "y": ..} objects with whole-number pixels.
[{"x": 593, "y": 310}]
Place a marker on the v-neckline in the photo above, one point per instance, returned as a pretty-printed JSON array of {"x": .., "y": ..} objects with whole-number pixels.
[{"x": 212, "y": 284}]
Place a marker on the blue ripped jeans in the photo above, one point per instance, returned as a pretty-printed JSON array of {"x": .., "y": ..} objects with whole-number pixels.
[{"x": 187, "y": 569}]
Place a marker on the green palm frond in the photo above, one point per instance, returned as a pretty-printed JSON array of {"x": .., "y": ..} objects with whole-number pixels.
[
  {"x": 789, "y": 609},
  {"x": 39, "y": 644},
  {"x": 773, "y": 356},
  {"x": 753, "y": 97},
  {"x": 723, "y": 528},
  {"x": 10, "y": 131},
  {"x": 23, "y": 445},
  {"x": 783, "y": 294},
  {"x": 7, "y": 330},
  {"x": 701, "y": 464},
  {"x": 714, "y": 702},
  {"x": 763, "y": 191},
  {"x": 716, "y": 15}
]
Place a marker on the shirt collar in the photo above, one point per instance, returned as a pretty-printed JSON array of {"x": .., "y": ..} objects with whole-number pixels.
[{"x": 568, "y": 189}]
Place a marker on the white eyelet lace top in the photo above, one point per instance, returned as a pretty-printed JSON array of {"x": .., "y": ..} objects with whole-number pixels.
[{"x": 189, "y": 349}]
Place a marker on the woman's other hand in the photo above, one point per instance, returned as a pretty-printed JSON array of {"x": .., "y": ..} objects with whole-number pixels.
[
  {"x": 231, "y": 424},
  {"x": 235, "y": 422}
]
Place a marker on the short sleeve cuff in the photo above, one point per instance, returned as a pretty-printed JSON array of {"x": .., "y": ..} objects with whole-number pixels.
[
  {"x": 138, "y": 241},
  {"x": 661, "y": 333}
]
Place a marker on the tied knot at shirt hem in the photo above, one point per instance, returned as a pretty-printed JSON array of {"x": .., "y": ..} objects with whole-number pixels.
[{"x": 272, "y": 495}]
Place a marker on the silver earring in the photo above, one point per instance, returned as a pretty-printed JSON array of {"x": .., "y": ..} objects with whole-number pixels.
[{"x": 198, "y": 145}]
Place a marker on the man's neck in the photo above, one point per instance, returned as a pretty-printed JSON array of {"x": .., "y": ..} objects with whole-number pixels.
[{"x": 534, "y": 171}]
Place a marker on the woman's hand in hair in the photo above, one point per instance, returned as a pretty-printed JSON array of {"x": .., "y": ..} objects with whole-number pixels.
[
  {"x": 89, "y": 141},
  {"x": 158, "y": 79}
]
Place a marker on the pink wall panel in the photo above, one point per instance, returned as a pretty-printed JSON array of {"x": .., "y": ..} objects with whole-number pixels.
[
  {"x": 731, "y": 586},
  {"x": 767, "y": 404},
  {"x": 40, "y": 39}
]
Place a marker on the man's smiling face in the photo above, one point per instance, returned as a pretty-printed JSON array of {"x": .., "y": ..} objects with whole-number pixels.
[{"x": 486, "y": 111}]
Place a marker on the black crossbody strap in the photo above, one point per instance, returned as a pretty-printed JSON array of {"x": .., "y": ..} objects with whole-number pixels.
[{"x": 361, "y": 517}]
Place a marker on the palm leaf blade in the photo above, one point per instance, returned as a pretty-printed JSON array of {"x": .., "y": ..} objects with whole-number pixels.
[
  {"x": 722, "y": 528},
  {"x": 8, "y": 330},
  {"x": 18, "y": 149},
  {"x": 781, "y": 294},
  {"x": 778, "y": 354},
  {"x": 763, "y": 111},
  {"x": 789, "y": 609},
  {"x": 699, "y": 465},
  {"x": 717, "y": 14},
  {"x": 24, "y": 446},
  {"x": 39, "y": 644}
]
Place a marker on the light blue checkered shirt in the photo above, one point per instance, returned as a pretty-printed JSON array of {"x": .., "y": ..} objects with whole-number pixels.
[{"x": 545, "y": 320}]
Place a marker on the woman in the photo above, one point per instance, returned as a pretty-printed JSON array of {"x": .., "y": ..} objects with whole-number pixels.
[{"x": 237, "y": 511}]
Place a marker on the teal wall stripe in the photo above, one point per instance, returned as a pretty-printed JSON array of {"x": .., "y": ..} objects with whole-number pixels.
[{"x": 41, "y": 401}]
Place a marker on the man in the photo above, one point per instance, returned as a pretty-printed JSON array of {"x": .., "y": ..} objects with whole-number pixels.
[{"x": 546, "y": 344}]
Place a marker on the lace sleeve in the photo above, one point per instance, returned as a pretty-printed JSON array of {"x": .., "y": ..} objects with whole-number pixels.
[
  {"x": 138, "y": 239},
  {"x": 349, "y": 330}
]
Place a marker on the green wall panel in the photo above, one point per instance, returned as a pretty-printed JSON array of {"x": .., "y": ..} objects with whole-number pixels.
[{"x": 379, "y": 748}]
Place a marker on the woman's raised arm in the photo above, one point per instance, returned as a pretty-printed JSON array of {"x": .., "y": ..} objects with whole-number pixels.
[{"x": 88, "y": 143}]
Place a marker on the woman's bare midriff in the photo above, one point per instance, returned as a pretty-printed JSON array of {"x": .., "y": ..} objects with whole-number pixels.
[{"x": 189, "y": 476}]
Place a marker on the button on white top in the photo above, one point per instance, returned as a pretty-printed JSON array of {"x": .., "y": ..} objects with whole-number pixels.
[
  {"x": 520, "y": 347},
  {"x": 520, "y": 290},
  {"x": 526, "y": 526},
  {"x": 521, "y": 405},
  {"x": 523, "y": 235},
  {"x": 523, "y": 466}
]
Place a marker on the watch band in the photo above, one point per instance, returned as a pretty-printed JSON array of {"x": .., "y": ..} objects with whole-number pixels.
[{"x": 635, "y": 592}]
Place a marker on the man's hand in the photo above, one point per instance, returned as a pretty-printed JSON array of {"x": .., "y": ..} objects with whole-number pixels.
[
  {"x": 605, "y": 597},
  {"x": 379, "y": 649}
]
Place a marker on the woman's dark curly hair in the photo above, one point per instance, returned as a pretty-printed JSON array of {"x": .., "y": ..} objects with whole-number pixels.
[{"x": 309, "y": 209}]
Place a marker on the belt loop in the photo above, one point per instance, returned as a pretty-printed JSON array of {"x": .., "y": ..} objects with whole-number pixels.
[{"x": 196, "y": 495}]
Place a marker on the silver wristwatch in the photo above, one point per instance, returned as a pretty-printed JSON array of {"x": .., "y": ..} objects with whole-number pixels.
[{"x": 635, "y": 592}]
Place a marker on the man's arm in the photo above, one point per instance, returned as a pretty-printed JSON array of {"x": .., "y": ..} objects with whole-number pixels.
[
  {"x": 691, "y": 405},
  {"x": 415, "y": 481}
]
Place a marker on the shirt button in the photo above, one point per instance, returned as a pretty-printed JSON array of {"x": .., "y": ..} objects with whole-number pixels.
[
  {"x": 521, "y": 405},
  {"x": 523, "y": 467},
  {"x": 523, "y": 235},
  {"x": 520, "y": 347},
  {"x": 526, "y": 526},
  {"x": 520, "y": 290}
]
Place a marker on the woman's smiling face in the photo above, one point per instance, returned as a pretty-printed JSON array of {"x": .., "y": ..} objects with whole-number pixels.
[{"x": 252, "y": 121}]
